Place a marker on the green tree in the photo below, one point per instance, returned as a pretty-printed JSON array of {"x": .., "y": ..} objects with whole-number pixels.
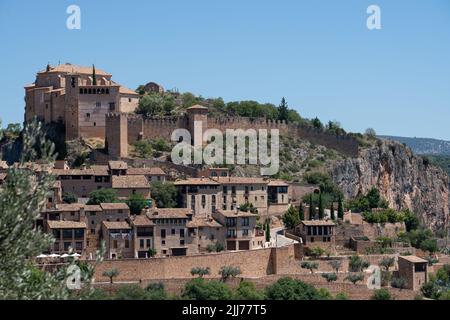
[
  {"x": 340, "y": 208},
  {"x": 69, "y": 197},
  {"x": 227, "y": 272},
  {"x": 429, "y": 245},
  {"x": 355, "y": 277},
  {"x": 151, "y": 105},
  {"x": 156, "y": 291},
  {"x": 356, "y": 264},
  {"x": 12, "y": 131},
  {"x": 411, "y": 220},
  {"x": 381, "y": 294},
  {"x": 111, "y": 274},
  {"x": 291, "y": 218},
  {"x": 283, "y": 110},
  {"x": 342, "y": 296},
  {"x": 247, "y": 291},
  {"x": 267, "y": 232},
  {"x": 290, "y": 289},
  {"x": 321, "y": 208},
  {"x": 201, "y": 289},
  {"x": 136, "y": 202},
  {"x": 374, "y": 198},
  {"x": 102, "y": 196},
  {"x": 332, "y": 215},
  {"x": 387, "y": 263},
  {"x": 143, "y": 149},
  {"x": 309, "y": 265},
  {"x": 200, "y": 272},
  {"x": 330, "y": 277},
  {"x": 335, "y": 264},
  {"x": 312, "y": 211},
  {"x": 130, "y": 292},
  {"x": 317, "y": 123},
  {"x": 301, "y": 212},
  {"x": 165, "y": 194},
  {"x": 316, "y": 252}
]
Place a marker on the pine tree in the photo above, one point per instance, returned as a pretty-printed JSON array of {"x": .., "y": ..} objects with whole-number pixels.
[
  {"x": 94, "y": 78},
  {"x": 301, "y": 212},
  {"x": 340, "y": 208},
  {"x": 283, "y": 111},
  {"x": 267, "y": 232},
  {"x": 312, "y": 211},
  {"x": 333, "y": 217},
  {"x": 321, "y": 208}
]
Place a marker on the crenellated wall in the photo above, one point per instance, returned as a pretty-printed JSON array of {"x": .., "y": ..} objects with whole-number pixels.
[{"x": 140, "y": 128}]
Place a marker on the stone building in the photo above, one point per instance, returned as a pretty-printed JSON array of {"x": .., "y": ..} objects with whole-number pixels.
[
  {"x": 318, "y": 233},
  {"x": 77, "y": 97},
  {"x": 414, "y": 270}
]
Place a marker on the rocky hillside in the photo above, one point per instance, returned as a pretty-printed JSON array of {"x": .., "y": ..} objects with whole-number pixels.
[
  {"x": 423, "y": 145},
  {"x": 404, "y": 179}
]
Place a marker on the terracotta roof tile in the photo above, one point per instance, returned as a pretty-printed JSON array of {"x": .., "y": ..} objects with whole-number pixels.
[
  {"x": 318, "y": 223},
  {"x": 114, "y": 206},
  {"x": 177, "y": 213},
  {"x": 66, "y": 224},
  {"x": 118, "y": 165},
  {"x": 130, "y": 182},
  {"x": 196, "y": 181},
  {"x": 232, "y": 213},
  {"x": 145, "y": 171},
  {"x": 141, "y": 220},
  {"x": 116, "y": 225},
  {"x": 72, "y": 68},
  {"x": 203, "y": 222}
]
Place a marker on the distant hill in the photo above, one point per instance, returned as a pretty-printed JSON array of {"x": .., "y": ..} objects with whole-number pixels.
[{"x": 423, "y": 146}]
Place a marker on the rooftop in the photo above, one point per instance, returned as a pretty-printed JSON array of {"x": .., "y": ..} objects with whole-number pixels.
[
  {"x": 278, "y": 183},
  {"x": 197, "y": 107},
  {"x": 66, "y": 224},
  {"x": 114, "y": 206},
  {"x": 141, "y": 220},
  {"x": 196, "y": 182},
  {"x": 69, "y": 207},
  {"x": 118, "y": 165},
  {"x": 203, "y": 222},
  {"x": 145, "y": 171},
  {"x": 129, "y": 182},
  {"x": 232, "y": 213},
  {"x": 116, "y": 225},
  {"x": 172, "y": 213},
  {"x": 318, "y": 223},
  {"x": 240, "y": 180},
  {"x": 73, "y": 68},
  {"x": 413, "y": 259}
]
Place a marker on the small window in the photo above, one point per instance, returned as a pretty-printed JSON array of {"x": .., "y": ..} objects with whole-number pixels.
[
  {"x": 95, "y": 124},
  {"x": 88, "y": 115},
  {"x": 98, "y": 104}
]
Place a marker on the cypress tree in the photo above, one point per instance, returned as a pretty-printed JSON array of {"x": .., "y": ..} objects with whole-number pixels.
[
  {"x": 340, "y": 208},
  {"x": 283, "y": 110},
  {"x": 267, "y": 232},
  {"x": 333, "y": 217},
  {"x": 321, "y": 208},
  {"x": 312, "y": 211},
  {"x": 94, "y": 78},
  {"x": 301, "y": 212}
]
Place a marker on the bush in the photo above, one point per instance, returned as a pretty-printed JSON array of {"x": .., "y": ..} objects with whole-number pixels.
[
  {"x": 102, "y": 196},
  {"x": 130, "y": 292},
  {"x": 247, "y": 291},
  {"x": 227, "y": 272},
  {"x": 200, "y": 289},
  {"x": 165, "y": 194},
  {"x": 156, "y": 291},
  {"x": 136, "y": 202},
  {"x": 69, "y": 197},
  {"x": 399, "y": 283},
  {"x": 382, "y": 294},
  {"x": 330, "y": 277},
  {"x": 290, "y": 289},
  {"x": 355, "y": 277},
  {"x": 291, "y": 218},
  {"x": 356, "y": 264},
  {"x": 201, "y": 272},
  {"x": 309, "y": 265},
  {"x": 342, "y": 296},
  {"x": 143, "y": 148}
]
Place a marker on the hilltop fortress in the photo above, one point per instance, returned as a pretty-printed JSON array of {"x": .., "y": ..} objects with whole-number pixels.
[
  {"x": 123, "y": 129},
  {"x": 90, "y": 105}
]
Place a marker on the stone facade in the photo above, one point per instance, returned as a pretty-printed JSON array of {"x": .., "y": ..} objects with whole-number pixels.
[{"x": 78, "y": 97}]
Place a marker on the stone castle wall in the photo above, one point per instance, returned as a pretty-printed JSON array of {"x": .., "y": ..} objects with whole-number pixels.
[{"x": 139, "y": 128}]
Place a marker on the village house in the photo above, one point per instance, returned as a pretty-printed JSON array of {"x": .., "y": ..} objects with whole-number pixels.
[
  {"x": 414, "y": 270},
  {"x": 317, "y": 233}
]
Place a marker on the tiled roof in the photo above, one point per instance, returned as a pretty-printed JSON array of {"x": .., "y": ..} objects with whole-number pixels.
[
  {"x": 100, "y": 170},
  {"x": 197, "y": 107},
  {"x": 145, "y": 171},
  {"x": 66, "y": 224},
  {"x": 179, "y": 213},
  {"x": 125, "y": 90},
  {"x": 278, "y": 183},
  {"x": 116, "y": 225},
  {"x": 203, "y": 222},
  {"x": 240, "y": 180},
  {"x": 73, "y": 172},
  {"x": 72, "y": 68},
  {"x": 318, "y": 223},
  {"x": 130, "y": 182},
  {"x": 118, "y": 165},
  {"x": 69, "y": 207},
  {"x": 92, "y": 207},
  {"x": 141, "y": 220},
  {"x": 413, "y": 259},
  {"x": 114, "y": 206},
  {"x": 232, "y": 213},
  {"x": 196, "y": 181}
]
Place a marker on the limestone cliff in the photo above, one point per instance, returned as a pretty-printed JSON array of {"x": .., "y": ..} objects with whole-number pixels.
[{"x": 404, "y": 179}]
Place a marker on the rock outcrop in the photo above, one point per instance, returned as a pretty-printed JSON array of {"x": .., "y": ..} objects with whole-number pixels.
[{"x": 404, "y": 179}]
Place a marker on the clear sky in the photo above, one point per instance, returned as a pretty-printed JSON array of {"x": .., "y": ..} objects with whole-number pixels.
[{"x": 318, "y": 54}]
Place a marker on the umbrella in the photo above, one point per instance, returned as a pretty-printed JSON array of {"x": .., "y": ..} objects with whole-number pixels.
[
  {"x": 75, "y": 255},
  {"x": 54, "y": 255},
  {"x": 42, "y": 256},
  {"x": 65, "y": 255}
]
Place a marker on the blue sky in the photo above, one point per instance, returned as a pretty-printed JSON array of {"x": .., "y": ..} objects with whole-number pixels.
[{"x": 318, "y": 54}]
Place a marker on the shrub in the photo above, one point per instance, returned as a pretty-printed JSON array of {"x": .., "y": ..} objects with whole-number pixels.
[
  {"x": 330, "y": 277},
  {"x": 290, "y": 289},
  {"x": 355, "y": 277},
  {"x": 111, "y": 274},
  {"x": 102, "y": 196},
  {"x": 200, "y": 271},
  {"x": 156, "y": 291},
  {"x": 342, "y": 296},
  {"x": 136, "y": 202},
  {"x": 309, "y": 265},
  {"x": 227, "y": 272},
  {"x": 387, "y": 263},
  {"x": 356, "y": 264},
  {"x": 130, "y": 292},
  {"x": 381, "y": 294},
  {"x": 398, "y": 282},
  {"x": 247, "y": 291},
  {"x": 335, "y": 264},
  {"x": 200, "y": 289},
  {"x": 69, "y": 197}
]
